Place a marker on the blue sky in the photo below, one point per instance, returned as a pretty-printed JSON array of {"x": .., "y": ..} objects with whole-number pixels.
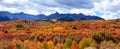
[{"x": 107, "y": 9}]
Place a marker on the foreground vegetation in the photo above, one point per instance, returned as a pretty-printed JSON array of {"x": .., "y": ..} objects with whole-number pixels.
[{"x": 93, "y": 34}]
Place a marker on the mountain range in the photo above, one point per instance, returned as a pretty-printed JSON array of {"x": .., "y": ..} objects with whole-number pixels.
[{"x": 7, "y": 16}]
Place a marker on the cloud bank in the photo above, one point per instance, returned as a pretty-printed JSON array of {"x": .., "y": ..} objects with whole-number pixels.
[{"x": 107, "y": 9}]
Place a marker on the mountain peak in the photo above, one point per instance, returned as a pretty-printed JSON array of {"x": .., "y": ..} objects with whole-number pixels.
[
  {"x": 56, "y": 13},
  {"x": 22, "y": 13},
  {"x": 61, "y": 17}
]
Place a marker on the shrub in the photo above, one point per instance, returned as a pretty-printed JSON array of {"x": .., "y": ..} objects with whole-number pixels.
[
  {"x": 100, "y": 36},
  {"x": 20, "y": 45},
  {"x": 87, "y": 42},
  {"x": 107, "y": 45},
  {"x": 106, "y": 36},
  {"x": 59, "y": 46},
  {"x": 19, "y": 26},
  {"x": 90, "y": 48},
  {"x": 75, "y": 45},
  {"x": 118, "y": 46},
  {"x": 97, "y": 37},
  {"x": 117, "y": 20},
  {"x": 50, "y": 44},
  {"x": 44, "y": 45},
  {"x": 68, "y": 43},
  {"x": 5, "y": 31},
  {"x": 13, "y": 31}
]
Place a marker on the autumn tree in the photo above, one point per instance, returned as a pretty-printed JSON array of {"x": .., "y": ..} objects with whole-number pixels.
[
  {"x": 19, "y": 26},
  {"x": 50, "y": 44},
  {"x": 87, "y": 42},
  {"x": 75, "y": 45},
  {"x": 68, "y": 43}
]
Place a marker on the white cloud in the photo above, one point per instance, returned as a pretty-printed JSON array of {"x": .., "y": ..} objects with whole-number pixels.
[
  {"x": 31, "y": 12},
  {"x": 9, "y": 1},
  {"x": 15, "y": 1},
  {"x": 84, "y": 11},
  {"x": 11, "y": 9},
  {"x": 110, "y": 16},
  {"x": 110, "y": 9}
]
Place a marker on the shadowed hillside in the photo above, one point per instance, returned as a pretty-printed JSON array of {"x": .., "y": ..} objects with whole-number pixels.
[{"x": 7, "y": 16}]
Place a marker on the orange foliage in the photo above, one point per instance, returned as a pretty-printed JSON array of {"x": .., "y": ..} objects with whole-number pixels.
[{"x": 74, "y": 45}]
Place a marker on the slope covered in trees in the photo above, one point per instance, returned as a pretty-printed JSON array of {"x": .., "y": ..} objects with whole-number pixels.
[{"x": 93, "y": 34}]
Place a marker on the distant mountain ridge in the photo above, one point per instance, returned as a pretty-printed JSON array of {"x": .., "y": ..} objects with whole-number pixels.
[{"x": 7, "y": 16}]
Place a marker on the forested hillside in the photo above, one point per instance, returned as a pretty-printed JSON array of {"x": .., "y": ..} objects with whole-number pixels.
[{"x": 82, "y": 34}]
